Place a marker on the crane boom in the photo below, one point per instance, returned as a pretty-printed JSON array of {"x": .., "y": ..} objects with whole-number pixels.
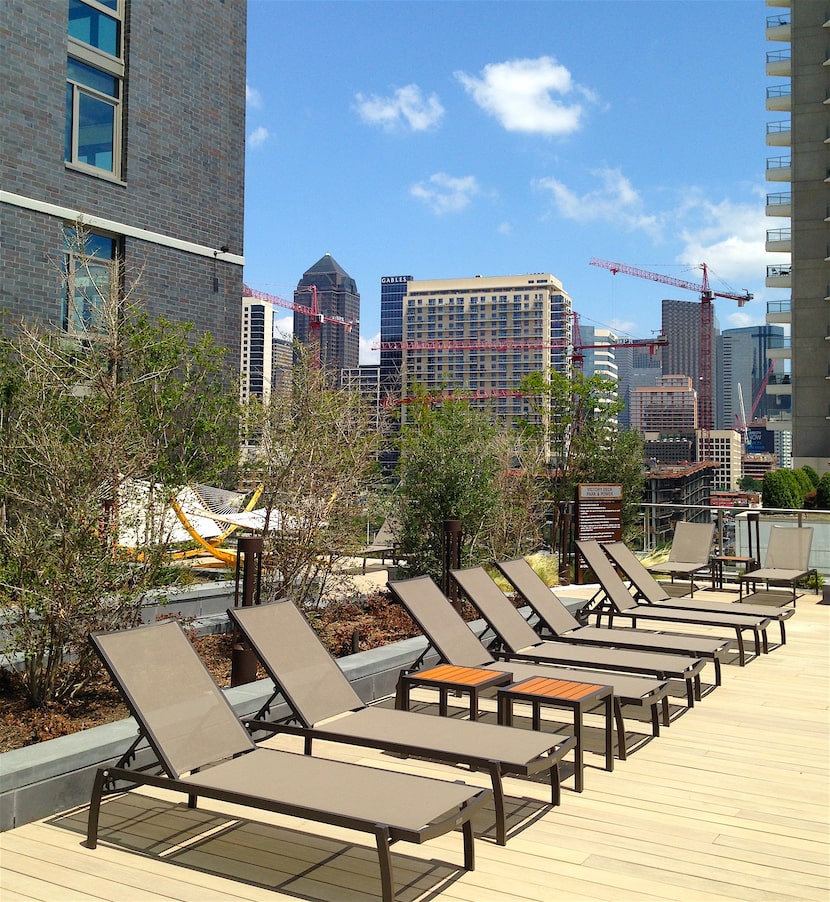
[{"x": 699, "y": 287}]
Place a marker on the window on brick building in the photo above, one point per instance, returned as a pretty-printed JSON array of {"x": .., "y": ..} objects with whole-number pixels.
[
  {"x": 91, "y": 275},
  {"x": 95, "y": 75}
]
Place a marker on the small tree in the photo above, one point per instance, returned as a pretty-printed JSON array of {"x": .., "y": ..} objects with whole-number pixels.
[
  {"x": 447, "y": 470},
  {"x": 314, "y": 451},
  {"x": 576, "y": 425},
  {"x": 75, "y": 425}
]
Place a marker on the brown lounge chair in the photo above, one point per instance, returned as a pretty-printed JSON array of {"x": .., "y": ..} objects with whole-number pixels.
[
  {"x": 516, "y": 640},
  {"x": 689, "y": 554},
  {"x": 614, "y": 599},
  {"x": 649, "y": 590},
  {"x": 556, "y": 621},
  {"x": 787, "y": 559},
  {"x": 457, "y": 644},
  {"x": 326, "y": 706},
  {"x": 202, "y": 749}
]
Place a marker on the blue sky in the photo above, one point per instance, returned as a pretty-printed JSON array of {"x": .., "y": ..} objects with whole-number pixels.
[{"x": 448, "y": 139}]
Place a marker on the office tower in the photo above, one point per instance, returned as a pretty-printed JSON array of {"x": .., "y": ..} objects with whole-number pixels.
[
  {"x": 481, "y": 335},
  {"x": 670, "y": 407},
  {"x": 366, "y": 380},
  {"x": 724, "y": 447},
  {"x": 681, "y": 354},
  {"x": 131, "y": 118},
  {"x": 392, "y": 292},
  {"x": 338, "y": 325},
  {"x": 797, "y": 98},
  {"x": 744, "y": 359}
]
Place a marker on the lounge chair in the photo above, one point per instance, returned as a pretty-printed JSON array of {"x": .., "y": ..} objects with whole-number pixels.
[
  {"x": 556, "y": 621},
  {"x": 613, "y": 598},
  {"x": 326, "y": 706},
  {"x": 385, "y": 542},
  {"x": 649, "y": 590},
  {"x": 689, "y": 554},
  {"x": 202, "y": 749},
  {"x": 516, "y": 640},
  {"x": 457, "y": 644},
  {"x": 787, "y": 559}
]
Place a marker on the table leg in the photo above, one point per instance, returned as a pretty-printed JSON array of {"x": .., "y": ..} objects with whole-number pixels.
[
  {"x": 609, "y": 732},
  {"x": 578, "y": 757}
]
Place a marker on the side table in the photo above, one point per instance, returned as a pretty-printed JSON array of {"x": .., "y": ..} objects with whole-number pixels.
[
  {"x": 578, "y": 697},
  {"x": 716, "y": 562},
  {"x": 447, "y": 678}
]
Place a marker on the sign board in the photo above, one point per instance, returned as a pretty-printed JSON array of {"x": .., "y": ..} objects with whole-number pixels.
[{"x": 598, "y": 516}]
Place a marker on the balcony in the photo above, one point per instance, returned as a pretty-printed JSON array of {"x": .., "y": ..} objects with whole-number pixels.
[
  {"x": 780, "y": 204},
  {"x": 778, "y": 28},
  {"x": 779, "y": 276},
  {"x": 782, "y": 351},
  {"x": 780, "y": 422},
  {"x": 779, "y": 169},
  {"x": 779, "y": 312},
  {"x": 779, "y": 63},
  {"x": 779, "y": 241},
  {"x": 779, "y": 98},
  {"x": 779, "y": 134},
  {"x": 779, "y": 385}
]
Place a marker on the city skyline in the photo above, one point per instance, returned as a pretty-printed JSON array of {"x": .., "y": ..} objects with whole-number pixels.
[{"x": 449, "y": 140}]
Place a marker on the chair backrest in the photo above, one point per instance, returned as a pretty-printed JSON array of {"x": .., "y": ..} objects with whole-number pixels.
[
  {"x": 550, "y": 610},
  {"x": 789, "y": 547},
  {"x": 692, "y": 542},
  {"x": 182, "y": 712},
  {"x": 297, "y": 661},
  {"x": 507, "y": 623},
  {"x": 645, "y": 584},
  {"x": 454, "y": 641},
  {"x": 608, "y": 577}
]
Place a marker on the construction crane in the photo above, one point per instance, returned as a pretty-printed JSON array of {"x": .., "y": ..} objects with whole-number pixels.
[
  {"x": 707, "y": 295},
  {"x": 315, "y": 317},
  {"x": 744, "y": 428}
]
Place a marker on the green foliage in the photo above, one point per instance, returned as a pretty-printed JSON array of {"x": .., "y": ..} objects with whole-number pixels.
[
  {"x": 577, "y": 428},
  {"x": 447, "y": 468},
  {"x": 823, "y": 492},
  {"x": 750, "y": 484},
  {"x": 789, "y": 488},
  {"x": 80, "y": 417}
]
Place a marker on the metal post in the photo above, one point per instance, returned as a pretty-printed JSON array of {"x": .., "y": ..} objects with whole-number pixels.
[
  {"x": 451, "y": 560},
  {"x": 249, "y": 581}
]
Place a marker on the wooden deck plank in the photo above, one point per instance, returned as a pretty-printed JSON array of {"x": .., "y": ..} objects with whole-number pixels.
[{"x": 730, "y": 803}]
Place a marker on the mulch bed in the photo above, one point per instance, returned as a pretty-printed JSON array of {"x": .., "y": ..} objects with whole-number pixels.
[{"x": 343, "y": 628}]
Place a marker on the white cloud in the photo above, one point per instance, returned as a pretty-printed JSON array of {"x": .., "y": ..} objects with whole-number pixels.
[
  {"x": 252, "y": 97},
  {"x": 366, "y": 353},
  {"x": 445, "y": 193},
  {"x": 258, "y": 137},
  {"x": 529, "y": 95},
  {"x": 614, "y": 200},
  {"x": 406, "y": 108},
  {"x": 729, "y": 237},
  {"x": 284, "y": 326}
]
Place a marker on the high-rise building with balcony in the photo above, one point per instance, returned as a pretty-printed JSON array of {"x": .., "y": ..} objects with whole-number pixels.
[
  {"x": 123, "y": 133},
  {"x": 799, "y": 36},
  {"x": 481, "y": 335}
]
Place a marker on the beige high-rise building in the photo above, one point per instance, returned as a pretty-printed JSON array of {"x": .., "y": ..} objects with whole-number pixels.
[
  {"x": 797, "y": 63},
  {"x": 670, "y": 407},
  {"x": 480, "y": 336}
]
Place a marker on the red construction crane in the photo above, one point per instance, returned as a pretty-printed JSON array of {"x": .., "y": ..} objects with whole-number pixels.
[
  {"x": 315, "y": 317},
  {"x": 707, "y": 294}
]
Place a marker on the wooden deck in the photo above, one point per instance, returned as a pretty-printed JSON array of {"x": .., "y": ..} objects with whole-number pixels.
[{"x": 731, "y": 802}]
